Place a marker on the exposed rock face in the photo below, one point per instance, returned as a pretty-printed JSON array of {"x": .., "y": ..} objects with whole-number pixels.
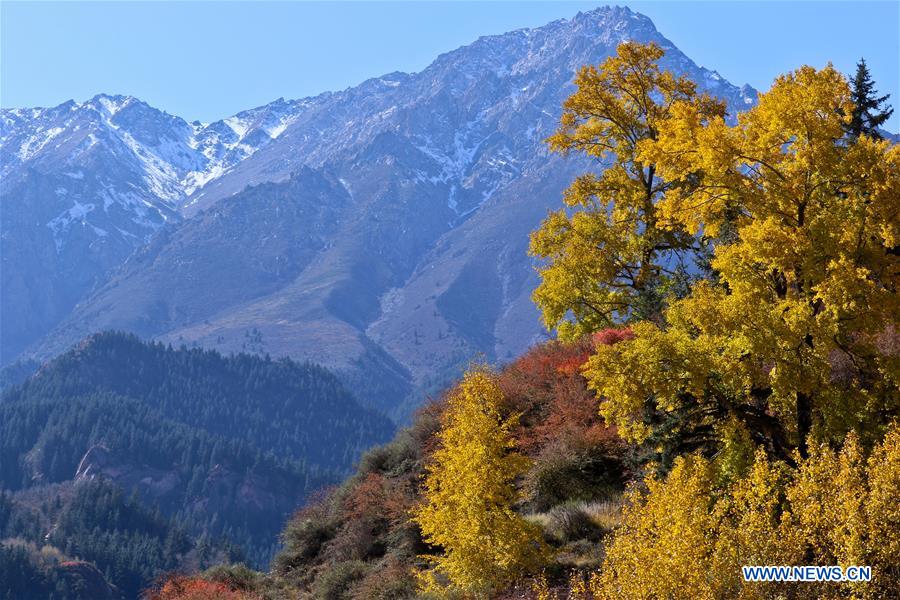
[
  {"x": 381, "y": 230},
  {"x": 88, "y": 581},
  {"x": 160, "y": 486},
  {"x": 93, "y": 463}
]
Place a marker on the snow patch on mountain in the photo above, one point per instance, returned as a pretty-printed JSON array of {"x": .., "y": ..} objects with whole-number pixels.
[
  {"x": 174, "y": 158},
  {"x": 61, "y": 224},
  {"x": 37, "y": 142}
]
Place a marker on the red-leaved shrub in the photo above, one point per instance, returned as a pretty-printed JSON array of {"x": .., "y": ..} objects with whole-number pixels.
[{"x": 179, "y": 587}]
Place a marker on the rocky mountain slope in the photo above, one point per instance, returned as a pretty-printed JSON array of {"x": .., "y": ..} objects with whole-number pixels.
[
  {"x": 381, "y": 230},
  {"x": 84, "y": 184}
]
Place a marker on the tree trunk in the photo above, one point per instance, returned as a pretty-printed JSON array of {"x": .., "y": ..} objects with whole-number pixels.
[{"x": 804, "y": 422}]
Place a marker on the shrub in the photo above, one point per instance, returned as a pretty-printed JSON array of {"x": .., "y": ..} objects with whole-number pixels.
[
  {"x": 195, "y": 588},
  {"x": 394, "y": 458},
  {"x": 546, "y": 388},
  {"x": 304, "y": 538},
  {"x": 570, "y": 522},
  {"x": 686, "y": 538},
  {"x": 389, "y": 580},
  {"x": 356, "y": 540},
  {"x": 336, "y": 583},
  {"x": 562, "y": 473},
  {"x": 236, "y": 577}
]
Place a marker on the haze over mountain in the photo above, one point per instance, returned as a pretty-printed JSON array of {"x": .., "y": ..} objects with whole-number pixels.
[{"x": 380, "y": 230}]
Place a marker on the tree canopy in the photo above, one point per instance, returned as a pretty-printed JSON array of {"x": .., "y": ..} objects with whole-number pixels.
[
  {"x": 790, "y": 331},
  {"x": 609, "y": 256},
  {"x": 469, "y": 495}
]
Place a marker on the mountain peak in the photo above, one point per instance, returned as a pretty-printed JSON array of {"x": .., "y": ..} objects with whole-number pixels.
[
  {"x": 110, "y": 104},
  {"x": 609, "y": 11},
  {"x": 611, "y": 18}
]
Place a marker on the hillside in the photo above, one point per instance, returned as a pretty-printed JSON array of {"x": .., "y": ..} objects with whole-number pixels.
[
  {"x": 382, "y": 229},
  {"x": 224, "y": 446},
  {"x": 300, "y": 412},
  {"x": 88, "y": 541},
  {"x": 359, "y": 541}
]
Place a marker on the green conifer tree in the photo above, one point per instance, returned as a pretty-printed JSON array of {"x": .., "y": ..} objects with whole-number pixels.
[{"x": 868, "y": 114}]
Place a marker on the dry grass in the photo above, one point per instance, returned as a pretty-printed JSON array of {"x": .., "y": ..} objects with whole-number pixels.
[{"x": 606, "y": 513}]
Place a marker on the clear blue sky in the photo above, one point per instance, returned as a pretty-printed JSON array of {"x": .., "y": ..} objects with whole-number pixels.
[{"x": 208, "y": 60}]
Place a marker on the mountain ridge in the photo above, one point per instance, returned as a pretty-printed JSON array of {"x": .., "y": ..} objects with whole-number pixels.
[{"x": 430, "y": 181}]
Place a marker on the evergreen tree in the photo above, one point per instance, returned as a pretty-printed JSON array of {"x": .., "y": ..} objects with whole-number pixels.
[{"x": 867, "y": 115}]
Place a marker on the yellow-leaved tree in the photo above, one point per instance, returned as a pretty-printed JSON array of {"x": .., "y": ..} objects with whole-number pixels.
[
  {"x": 469, "y": 497},
  {"x": 795, "y": 335},
  {"x": 686, "y": 537},
  {"x": 611, "y": 259},
  {"x": 781, "y": 360}
]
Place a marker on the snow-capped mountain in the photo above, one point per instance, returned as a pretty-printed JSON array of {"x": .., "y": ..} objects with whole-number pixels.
[
  {"x": 167, "y": 157},
  {"x": 84, "y": 184},
  {"x": 380, "y": 230}
]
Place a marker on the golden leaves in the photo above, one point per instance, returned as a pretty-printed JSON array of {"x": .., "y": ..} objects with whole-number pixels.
[
  {"x": 469, "y": 495},
  {"x": 810, "y": 272},
  {"x": 614, "y": 245},
  {"x": 686, "y": 537}
]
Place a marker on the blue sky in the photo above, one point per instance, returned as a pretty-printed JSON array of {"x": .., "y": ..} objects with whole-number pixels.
[{"x": 208, "y": 60}]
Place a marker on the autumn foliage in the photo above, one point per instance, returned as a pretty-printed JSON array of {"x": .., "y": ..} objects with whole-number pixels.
[
  {"x": 546, "y": 388},
  {"x": 609, "y": 256},
  {"x": 469, "y": 496},
  {"x": 772, "y": 368},
  {"x": 195, "y": 588},
  {"x": 808, "y": 277},
  {"x": 686, "y": 537}
]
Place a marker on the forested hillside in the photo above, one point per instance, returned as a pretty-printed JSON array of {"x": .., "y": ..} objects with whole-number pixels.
[
  {"x": 88, "y": 541},
  {"x": 360, "y": 541},
  {"x": 214, "y": 448},
  {"x": 725, "y": 391},
  {"x": 300, "y": 412}
]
